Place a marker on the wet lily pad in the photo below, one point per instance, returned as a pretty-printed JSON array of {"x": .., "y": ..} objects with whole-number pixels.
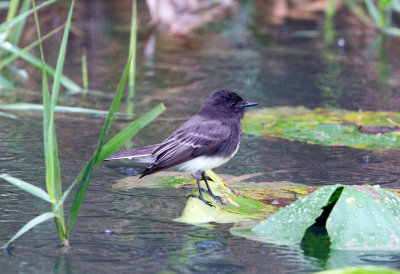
[
  {"x": 356, "y": 218},
  {"x": 325, "y": 127},
  {"x": 369, "y": 269},
  {"x": 236, "y": 208},
  {"x": 244, "y": 200}
]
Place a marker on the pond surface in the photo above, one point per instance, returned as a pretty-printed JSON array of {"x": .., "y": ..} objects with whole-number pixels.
[{"x": 129, "y": 231}]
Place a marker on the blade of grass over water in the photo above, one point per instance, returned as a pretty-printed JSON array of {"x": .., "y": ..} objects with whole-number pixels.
[
  {"x": 31, "y": 224},
  {"x": 53, "y": 177},
  {"x": 8, "y": 115},
  {"x": 32, "y": 189},
  {"x": 54, "y": 193},
  {"x": 14, "y": 56},
  {"x": 127, "y": 133},
  {"x": 132, "y": 51},
  {"x": 66, "y": 82},
  {"x": 80, "y": 193},
  {"x": 4, "y": 83},
  {"x": 16, "y": 34},
  {"x": 84, "y": 71},
  {"x": 37, "y": 107},
  {"x": 4, "y": 4},
  {"x": 112, "y": 146},
  {"x": 22, "y": 16},
  {"x": 376, "y": 16},
  {"x": 12, "y": 9}
]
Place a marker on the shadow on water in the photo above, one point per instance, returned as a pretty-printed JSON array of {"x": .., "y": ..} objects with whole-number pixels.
[{"x": 132, "y": 230}]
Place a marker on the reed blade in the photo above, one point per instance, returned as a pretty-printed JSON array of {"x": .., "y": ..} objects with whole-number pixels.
[
  {"x": 87, "y": 171},
  {"x": 32, "y": 189},
  {"x": 6, "y": 25},
  {"x": 31, "y": 224}
]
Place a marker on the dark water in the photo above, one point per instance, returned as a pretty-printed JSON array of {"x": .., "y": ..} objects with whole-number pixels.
[{"x": 132, "y": 230}]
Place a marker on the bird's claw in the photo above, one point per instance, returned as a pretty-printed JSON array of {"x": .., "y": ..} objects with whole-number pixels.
[
  {"x": 215, "y": 197},
  {"x": 202, "y": 199}
]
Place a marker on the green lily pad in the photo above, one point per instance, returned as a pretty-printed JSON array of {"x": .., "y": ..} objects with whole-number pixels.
[
  {"x": 279, "y": 193},
  {"x": 324, "y": 127},
  {"x": 236, "y": 207},
  {"x": 369, "y": 269},
  {"x": 364, "y": 218},
  {"x": 357, "y": 218},
  {"x": 243, "y": 200}
]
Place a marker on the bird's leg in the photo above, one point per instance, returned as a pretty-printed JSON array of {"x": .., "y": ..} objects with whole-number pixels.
[
  {"x": 200, "y": 197},
  {"x": 217, "y": 198}
]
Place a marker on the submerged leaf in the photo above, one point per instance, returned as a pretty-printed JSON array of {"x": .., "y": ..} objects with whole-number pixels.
[{"x": 323, "y": 126}]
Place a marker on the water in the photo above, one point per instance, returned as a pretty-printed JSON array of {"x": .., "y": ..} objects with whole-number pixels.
[{"x": 132, "y": 230}]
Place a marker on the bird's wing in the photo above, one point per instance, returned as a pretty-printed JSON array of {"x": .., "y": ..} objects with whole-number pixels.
[
  {"x": 196, "y": 135},
  {"x": 143, "y": 154}
]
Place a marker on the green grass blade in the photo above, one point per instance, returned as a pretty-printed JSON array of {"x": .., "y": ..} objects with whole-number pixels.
[
  {"x": 31, "y": 224},
  {"x": 22, "y": 16},
  {"x": 4, "y": 83},
  {"x": 52, "y": 140},
  {"x": 16, "y": 34},
  {"x": 132, "y": 51},
  {"x": 12, "y": 9},
  {"x": 53, "y": 177},
  {"x": 8, "y": 115},
  {"x": 80, "y": 193},
  {"x": 127, "y": 133},
  {"x": 37, "y": 107},
  {"x": 14, "y": 56},
  {"x": 32, "y": 189},
  {"x": 392, "y": 31},
  {"x": 116, "y": 142},
  {"x": 373, "y": 11},
  {"x": 358, "y": 10},
  {"x": 396, "y": 5},
  {"x": 4, "y": 4},
  {"x": 66, "y": 82},
  {"x": 46, "y": 111},
  {"x": 60, "y": 60},
  {"x": 84, "y": 71}
]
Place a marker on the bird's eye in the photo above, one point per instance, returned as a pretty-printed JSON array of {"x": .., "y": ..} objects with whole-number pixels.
[{"x": 234, "y": 104}]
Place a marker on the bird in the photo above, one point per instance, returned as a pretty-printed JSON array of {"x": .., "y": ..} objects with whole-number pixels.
[{"x": 207, "y": 140}]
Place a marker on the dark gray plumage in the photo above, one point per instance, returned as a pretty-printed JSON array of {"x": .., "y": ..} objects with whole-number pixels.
[{"x": 205, "y": 141}]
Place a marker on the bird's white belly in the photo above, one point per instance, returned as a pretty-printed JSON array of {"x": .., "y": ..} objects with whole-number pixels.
[{"x": 203, "y": 163}]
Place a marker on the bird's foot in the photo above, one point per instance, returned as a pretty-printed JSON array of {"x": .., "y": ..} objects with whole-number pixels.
[
  {"x": 215, "y": 197},
  {"x": 201, "y": 198}
]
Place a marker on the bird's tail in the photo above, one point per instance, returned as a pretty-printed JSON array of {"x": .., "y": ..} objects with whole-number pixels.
[{"x": 142, "y": 154}]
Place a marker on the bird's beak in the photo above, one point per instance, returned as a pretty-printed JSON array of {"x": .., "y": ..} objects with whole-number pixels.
[{"x": 249, "y": 104}]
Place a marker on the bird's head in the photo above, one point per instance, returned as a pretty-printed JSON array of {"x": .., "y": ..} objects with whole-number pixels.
[{"x": 225, "y": 103}]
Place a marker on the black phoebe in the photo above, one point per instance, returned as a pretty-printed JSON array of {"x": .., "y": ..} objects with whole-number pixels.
[{"x": 206, "y": 141}]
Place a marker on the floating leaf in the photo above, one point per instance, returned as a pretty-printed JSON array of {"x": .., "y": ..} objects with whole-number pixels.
[
  {"x": 361, "y": 218},
  {"x": 237, "y": 207},
  {"x": 323, "y": 126},
  {"x": 369, "y": 269},
  {"x": 365, "y": 218},
  {"x": 289, "y": 225}
]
